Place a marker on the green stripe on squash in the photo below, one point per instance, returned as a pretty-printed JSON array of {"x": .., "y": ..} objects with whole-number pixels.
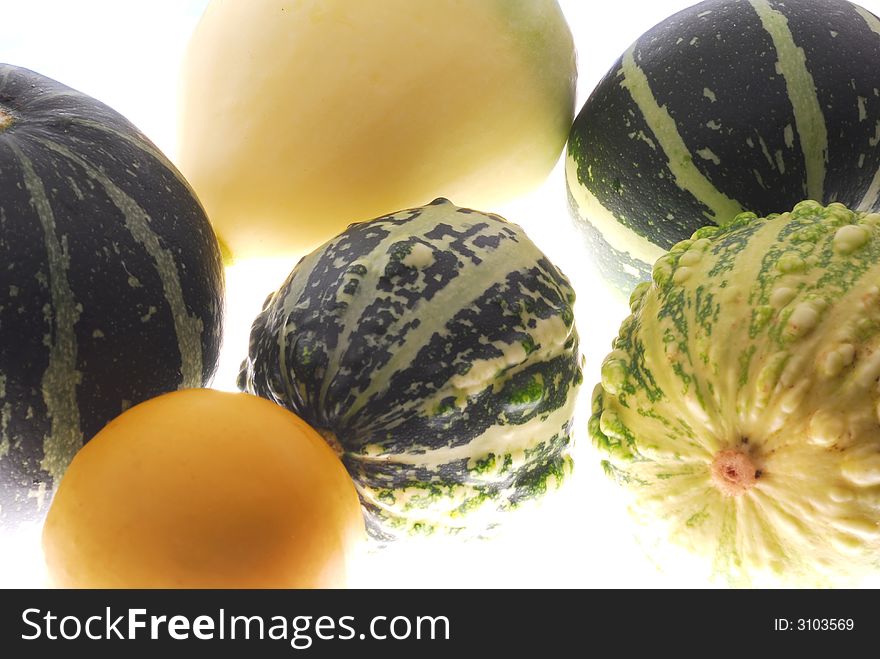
[
  {"x": 727, "y": 106},
  {"x": 436, "y": 347},
  {"x": 111, "y": 290}
]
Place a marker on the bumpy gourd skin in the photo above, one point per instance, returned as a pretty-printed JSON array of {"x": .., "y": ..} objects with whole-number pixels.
[{"x": 740, "y": 401}]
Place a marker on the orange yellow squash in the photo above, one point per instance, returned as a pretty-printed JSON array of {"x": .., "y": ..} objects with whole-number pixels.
[{"x": 204, "y": 489}]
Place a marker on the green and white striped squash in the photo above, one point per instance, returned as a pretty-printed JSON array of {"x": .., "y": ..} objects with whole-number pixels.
[
  {"x": 725, "y": 107},
  {"x": 111, "y": 283},
  {"x": 740, "y": 403},
  {"x": 435, "y": 349}
]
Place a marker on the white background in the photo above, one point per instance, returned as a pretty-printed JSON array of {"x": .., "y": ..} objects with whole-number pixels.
[{"x": 127, "y": 53}]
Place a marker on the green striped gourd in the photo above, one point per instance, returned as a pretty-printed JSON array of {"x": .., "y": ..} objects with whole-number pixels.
[
  {"x": 725, "y": 107},
  {"x": 435, "y": 349},
  {"x": 110, "y": 286},
  {"x": 740, "y": 402}
]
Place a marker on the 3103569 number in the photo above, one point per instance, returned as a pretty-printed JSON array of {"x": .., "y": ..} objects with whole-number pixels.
[
  {"x": 814, "y": 624},
  {"x": 825, "y": 624}
]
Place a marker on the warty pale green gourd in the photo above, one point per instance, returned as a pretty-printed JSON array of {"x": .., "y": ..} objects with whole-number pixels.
[{"x": 740, "y": 403}]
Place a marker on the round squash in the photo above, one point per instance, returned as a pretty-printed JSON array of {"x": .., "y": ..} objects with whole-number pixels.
[
  {"x": 111, "y": 286},
  {"x": 725, "y": 107},
  {"x": 300, "y": 117},
  {"x": 204, "y": 489},
  {"x": 435, "y": 350},
  {"x": 740, "y": 403}
]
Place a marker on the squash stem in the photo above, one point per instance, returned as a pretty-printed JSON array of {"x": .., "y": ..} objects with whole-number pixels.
[
  {"x": 733, "y": 472},
  {"x": 330, "y": 437},
  {"x": 6, "y": 119}
]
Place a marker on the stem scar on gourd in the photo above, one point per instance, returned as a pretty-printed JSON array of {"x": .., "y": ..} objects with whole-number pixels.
[
  {"x": 334, "y": 443},
  {"x": 6, "y": 119},
  {"x": 733, "y": 472}
]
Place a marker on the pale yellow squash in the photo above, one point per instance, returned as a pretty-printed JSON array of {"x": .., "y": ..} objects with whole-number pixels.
[{"x": 298, "y": 118}]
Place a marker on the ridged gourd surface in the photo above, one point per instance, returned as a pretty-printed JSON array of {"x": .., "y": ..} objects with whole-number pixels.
[{"x": 435, "y": 348}]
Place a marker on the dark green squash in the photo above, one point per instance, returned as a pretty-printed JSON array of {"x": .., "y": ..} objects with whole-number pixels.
[
  {"x": 111, "y": 285},
  {"x": 727, "y": 106},
  {"x": 435, "y": 349}
]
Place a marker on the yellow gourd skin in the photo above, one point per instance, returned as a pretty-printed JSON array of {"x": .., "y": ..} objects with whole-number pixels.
[
  {"x": 299, "y": 118},
  {"x": 203, "y": 489}
]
